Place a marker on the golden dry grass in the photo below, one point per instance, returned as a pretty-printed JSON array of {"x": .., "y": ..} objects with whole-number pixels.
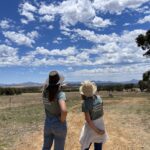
[
  {"x": 127, "y": 122},
  {"x": 20, "y": 100},
  {"x": 126, "y": 131}
]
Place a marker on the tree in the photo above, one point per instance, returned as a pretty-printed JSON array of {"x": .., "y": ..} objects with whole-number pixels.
[
  {"x": 146, "y": 76},
  {"x": 143, "y": 41},
  {"x": 9, "y": 91},
  {"x": 129, "y": 86},
  {"x": 145, "y": 83}
]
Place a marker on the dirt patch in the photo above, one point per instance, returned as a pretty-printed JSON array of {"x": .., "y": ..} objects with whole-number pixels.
[
  {"x": 32, "y": 141},
  {"x": 122, "y": 136}
]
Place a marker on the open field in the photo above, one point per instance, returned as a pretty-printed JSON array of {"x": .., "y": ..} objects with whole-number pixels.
[{"x": 127, "y": 118}]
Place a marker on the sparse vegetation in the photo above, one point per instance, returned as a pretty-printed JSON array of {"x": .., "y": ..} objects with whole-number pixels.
[{"x": 26, "y": 115}]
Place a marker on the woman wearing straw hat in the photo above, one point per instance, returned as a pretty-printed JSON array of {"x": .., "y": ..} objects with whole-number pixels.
[
  {"x": 93, "y": 130},
  {"x": 55, "y": 128}
]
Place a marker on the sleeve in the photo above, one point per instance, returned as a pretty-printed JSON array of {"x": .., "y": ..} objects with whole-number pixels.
[
  {"x": 61, "y": 96},
  {"x": 86, "y": 107},
  {"x": 100, "y": 99}
]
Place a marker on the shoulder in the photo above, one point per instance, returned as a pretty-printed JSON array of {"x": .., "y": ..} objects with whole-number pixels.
[
  {"x": 99, "y": 98},
  {"x": 61, "y": 95},
  {"x": 87, "y": 103}
]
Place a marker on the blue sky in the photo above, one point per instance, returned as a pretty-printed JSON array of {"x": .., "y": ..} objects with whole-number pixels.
[{"x": 82, "y": 39}]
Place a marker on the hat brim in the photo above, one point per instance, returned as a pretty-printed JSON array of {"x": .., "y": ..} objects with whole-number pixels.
[
  {"x": 61, "y": 80},
  {"x": 80, "y": 90}
]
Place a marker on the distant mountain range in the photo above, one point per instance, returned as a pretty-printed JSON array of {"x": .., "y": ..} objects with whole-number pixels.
[
  {"x": 25, "y": 84},
  {"x": 34, "y": 84},
  {"x": 134, "y": 81}
]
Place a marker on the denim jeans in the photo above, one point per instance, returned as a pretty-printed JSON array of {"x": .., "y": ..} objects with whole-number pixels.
[
  {"x": 97, "y": 146},
  {"x": 54, "y": 131}
]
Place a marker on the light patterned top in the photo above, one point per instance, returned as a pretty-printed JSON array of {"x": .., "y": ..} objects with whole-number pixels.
[{"x": 53, "y": 108}]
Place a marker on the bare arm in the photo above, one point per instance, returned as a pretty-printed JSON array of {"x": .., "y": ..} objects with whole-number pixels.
[
  {"x": 91, "y": 124},
  {"x": 63, "y": 109}
]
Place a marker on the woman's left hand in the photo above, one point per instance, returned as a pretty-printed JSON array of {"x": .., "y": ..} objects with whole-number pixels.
[{"x": 101, "y": 132}]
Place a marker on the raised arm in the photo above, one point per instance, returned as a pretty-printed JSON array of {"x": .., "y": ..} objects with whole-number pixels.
[{"x": 91, "y": 124}]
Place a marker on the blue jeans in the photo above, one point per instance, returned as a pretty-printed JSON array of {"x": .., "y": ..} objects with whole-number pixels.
[
  {"x": 97, "y": 146},
  {"x": 54, "y": 131}
]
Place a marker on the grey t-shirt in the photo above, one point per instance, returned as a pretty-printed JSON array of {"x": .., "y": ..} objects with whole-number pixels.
[
  {"x": 53, "y": 108},
  {"x": 94, "y": 106}
]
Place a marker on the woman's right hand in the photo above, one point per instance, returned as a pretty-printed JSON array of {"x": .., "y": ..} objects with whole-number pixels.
[{"x": 91, "y": 124}]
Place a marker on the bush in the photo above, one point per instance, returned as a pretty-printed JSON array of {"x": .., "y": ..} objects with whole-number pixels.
[{"x": 10, "y": 91}]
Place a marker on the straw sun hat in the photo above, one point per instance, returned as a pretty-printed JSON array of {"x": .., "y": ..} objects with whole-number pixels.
[{"x": 88, "y": 88}]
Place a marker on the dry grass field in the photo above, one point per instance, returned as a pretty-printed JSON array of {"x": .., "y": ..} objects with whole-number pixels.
[{"x": 127, "y": 118}]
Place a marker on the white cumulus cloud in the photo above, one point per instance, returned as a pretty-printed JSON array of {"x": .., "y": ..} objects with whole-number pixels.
[
  {"x": 8, "y": 55},
  {"x": 55, "y": 52},
  {"x": 27, "y": 10},
  {"x": 117, "y": 6},
  {"x": 96, "y": 38},
  {"x": 144, "y": 20},
  {"x": 100, "y": 22},
  {"x": 21, "y": 38},
  {"x": 4, "y": 24},
  {"x": 71, "y": 12}
]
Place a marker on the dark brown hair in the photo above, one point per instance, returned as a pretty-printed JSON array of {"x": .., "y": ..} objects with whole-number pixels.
[
  {"x": 53, "y": 86},
  {"x": 52, "y": 92}
]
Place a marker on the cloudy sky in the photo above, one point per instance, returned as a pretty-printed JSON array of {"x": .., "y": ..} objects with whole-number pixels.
[{"x": 82, "y": 39}]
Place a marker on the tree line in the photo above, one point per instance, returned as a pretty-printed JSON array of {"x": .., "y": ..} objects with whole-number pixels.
[
  {"x": 18, "y": 91},
  {"x": 144, "y": 85},
  {"x": 117, "y": 87},
  {"x": 104, "y": 87}
]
